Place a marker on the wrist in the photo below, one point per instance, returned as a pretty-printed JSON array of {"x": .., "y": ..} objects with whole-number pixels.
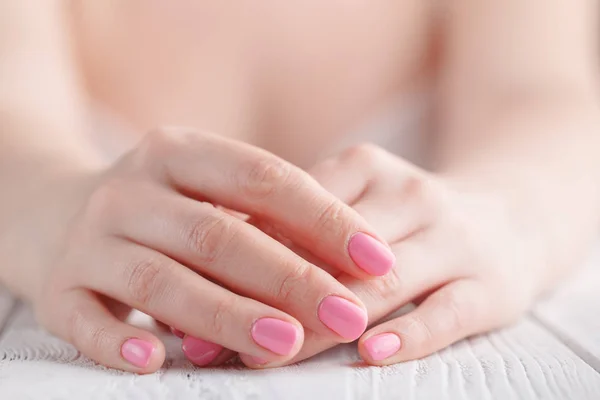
[{"x": 33, "y": 223}]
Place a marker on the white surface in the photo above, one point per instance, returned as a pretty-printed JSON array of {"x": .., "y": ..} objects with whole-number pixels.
[
  {"x": 572, "y": 312},
  {"x": 552, "y": 354},
  {"x": 523, "y": 361}
]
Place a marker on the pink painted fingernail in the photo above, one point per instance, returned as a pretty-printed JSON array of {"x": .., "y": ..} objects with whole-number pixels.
[
  {"x": 199, "y": 351},
  {"x": 382, "y": 346},
  {"x": 370, "y": 254},
  {"x": 138, "y": 352},
  {"x": 177, "y": 333},
  {"x": 275, "y": 335},
  {"x": 343, "y": 317}
]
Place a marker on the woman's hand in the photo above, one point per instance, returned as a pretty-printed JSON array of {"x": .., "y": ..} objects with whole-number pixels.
[
  {"x": 148, "y": 237},
  {"x": 461, "y": 257}
]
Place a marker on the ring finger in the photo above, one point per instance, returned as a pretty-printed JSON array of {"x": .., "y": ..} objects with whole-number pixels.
[
  {"x": 246, "y": 260},
  {"x": 168, "y": 291}
]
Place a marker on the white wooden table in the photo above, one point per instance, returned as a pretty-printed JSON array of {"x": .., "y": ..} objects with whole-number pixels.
[{"x": 552, "y": 353}]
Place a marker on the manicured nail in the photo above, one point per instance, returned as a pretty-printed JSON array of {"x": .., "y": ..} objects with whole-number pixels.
[
  {"x": 370, "y": 254},
  {"x": 275, "y": 335},
  {"x": 138, "y": 352},
  {"x": 382, "y": 346},
  {"x": 343, "y": 317},
  {"x": 199, "y": 351},
  {"x": 177, "y": 332},
  {"x": 258, "y": 360}
]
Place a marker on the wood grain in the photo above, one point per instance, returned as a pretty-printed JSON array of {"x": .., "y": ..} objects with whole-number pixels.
[
  {"x": 572, "y": 312},
  {"x": 520, "y": 362}
]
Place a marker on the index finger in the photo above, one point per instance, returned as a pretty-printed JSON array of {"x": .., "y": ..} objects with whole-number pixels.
[{"x": 253, "y": 181}]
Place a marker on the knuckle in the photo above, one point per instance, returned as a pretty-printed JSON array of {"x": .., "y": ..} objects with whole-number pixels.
[
  {"x": 105, "y": 200},
  {"x": 416, "y": 187},
  {"x": 420, "y": 190},
  {"x": 158, "y": 143},
  {"x": 263, "y": 177},
  {"x": 457, "y": 312},
  {"x": 297, "y": 274},
  {"x": 366, "y": 154},
  {"x": 163, "y": 142},
  {"x": 209, "y": 236},
  {"x": 332, "y": 220},
  {"x": 74, "y": 323},
  {"x": 98, "y": 337},
  {"x": 144, "y": 280},
  {"x": 421, "y": 334},
  {"x": 391, "y": 287},
  {"x": 83, "y": 333},
  {"x": 221, "y": 315}
]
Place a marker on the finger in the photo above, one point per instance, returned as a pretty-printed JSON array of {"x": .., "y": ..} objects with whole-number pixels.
[
  {"x": 254, "y": 362},
  {"x": 204, "y": 353},
  {"x": 177, "y": 332},
  {"x": 455, "y": 311},
  {"x": 421, "y": 272},
  {"x": 344, "y": 176},
  {"x": 164, "y": 289},
  {"x": 354, "y": 176},
  {"x": 201, "y": 352},
  {"x": 411, "y": 213},
  {"x": 81, "y": 319},
  {"x": 245, "y": 260},
  {"x": 252, "y": 181}
]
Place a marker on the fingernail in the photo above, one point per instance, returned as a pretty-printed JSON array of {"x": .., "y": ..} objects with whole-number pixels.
[
  {"x": 177, "y": 332},
  {"x": 370, "y": 254},
  {"x": 343, "y": 317},
  {"x": 200, "y": 352},
  {"x": 382, "y": 346},
  {"x": 275, "y": 335},
  {"x": 258, "y": 360},
  {"x": 138, "y": 352}
]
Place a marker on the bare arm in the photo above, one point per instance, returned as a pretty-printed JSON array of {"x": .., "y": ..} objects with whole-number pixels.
[
  {"x": 521, "y": 116},
  {"x": 42, "y": 147}
]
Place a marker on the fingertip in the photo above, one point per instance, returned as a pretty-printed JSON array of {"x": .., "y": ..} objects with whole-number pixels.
[
  {"x": 380, "y": 348},
  {"x": 268, "y": 358},
  {"x": 254, "y": 362},
  {"x": 177, "y": 332},
  {"x": 370, "y": 255},
  {"x": 143, "y": 355},
  {"x": 280, "y": 337},
  {"x": 344, "y": 317},
  {"x": 99, "y": 335},
  {"x": 199, "y": 351}
]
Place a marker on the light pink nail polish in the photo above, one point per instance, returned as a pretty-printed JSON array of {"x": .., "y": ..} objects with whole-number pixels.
[
  {"x": 177, "y": 333},
  {"x": 138, "y": 352},
  {"x": 275, "y": 335},
  {"x": 382, "y": 346},
  {"x": 370, "y": 254},
  {"x": 343, "y": 317},
  {"x": 199, "y": 351}
]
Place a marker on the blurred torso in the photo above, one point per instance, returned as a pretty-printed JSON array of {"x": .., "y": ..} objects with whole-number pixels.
[{"x": 291, "y": 77}]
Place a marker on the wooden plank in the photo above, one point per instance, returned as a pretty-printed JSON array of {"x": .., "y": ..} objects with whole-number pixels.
[
  {"x": 523, "y": 361},
  {"x": 571, "y": 313}
]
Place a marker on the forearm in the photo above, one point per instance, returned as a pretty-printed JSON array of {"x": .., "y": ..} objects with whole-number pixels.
[
  {"x": 520, "y": 115},
  {"x": 498, "y": 54},
  {"x": 43, "y": 151}
]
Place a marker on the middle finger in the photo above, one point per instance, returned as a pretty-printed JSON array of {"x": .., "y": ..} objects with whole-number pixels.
[{"x": 246, "y": 260}]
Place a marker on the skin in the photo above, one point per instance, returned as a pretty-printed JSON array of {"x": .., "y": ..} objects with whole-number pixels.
[{"x": 510, "y": 205}]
